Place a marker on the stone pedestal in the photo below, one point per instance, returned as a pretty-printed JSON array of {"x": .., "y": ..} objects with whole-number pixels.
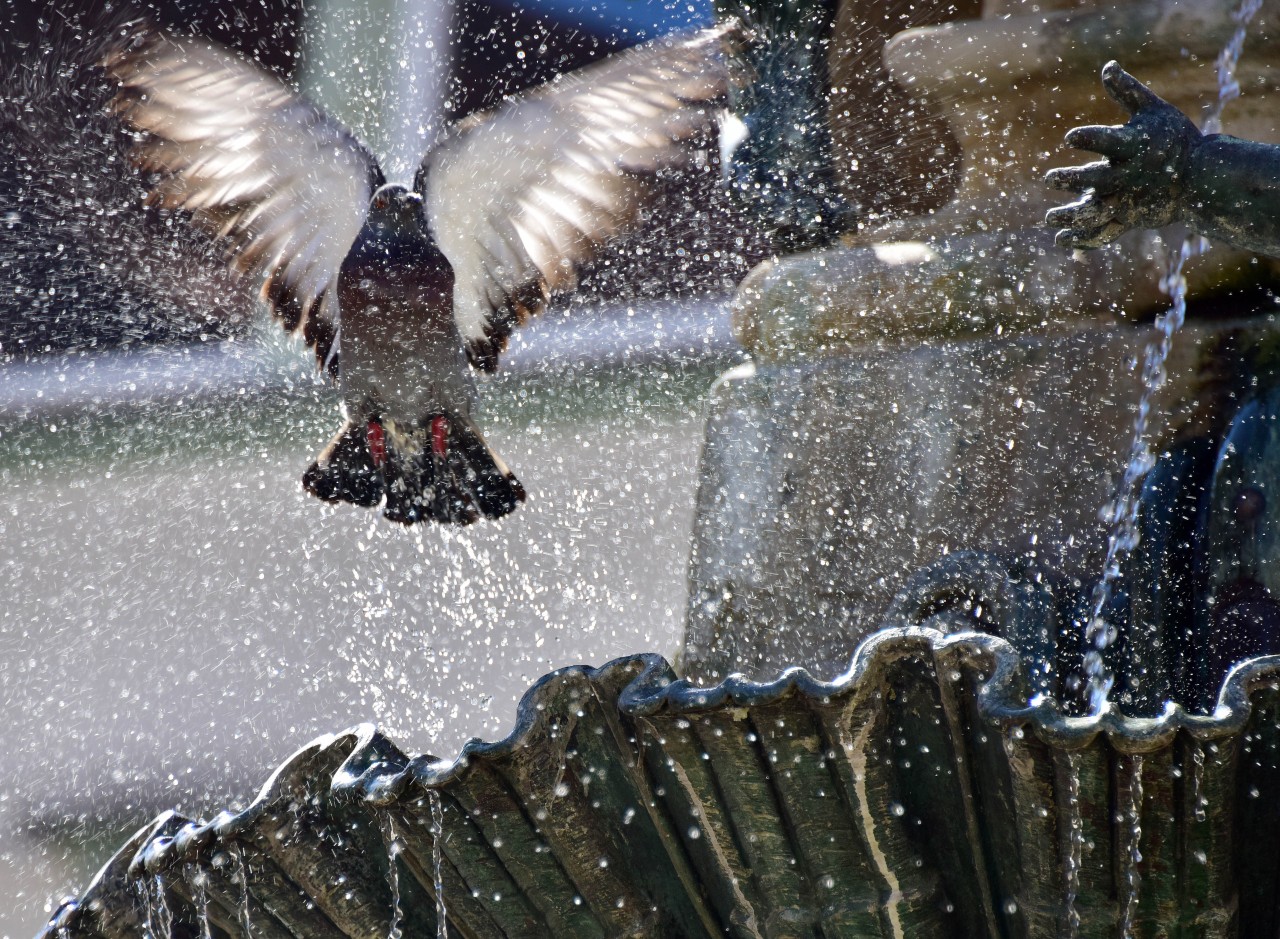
[
  {"x": 955, "y": 382},
  {"x": 827, "y": 484}
]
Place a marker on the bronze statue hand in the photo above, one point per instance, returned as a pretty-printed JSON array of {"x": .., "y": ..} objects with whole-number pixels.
[{"x": 1141, "y": 182}]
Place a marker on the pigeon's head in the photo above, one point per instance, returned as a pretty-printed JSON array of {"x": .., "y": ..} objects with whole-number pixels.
[{"x": 396, "y": 207}]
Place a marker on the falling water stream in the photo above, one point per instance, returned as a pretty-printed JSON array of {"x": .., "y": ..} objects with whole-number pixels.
[
  {"x": 143, "y": 888},
  {"x": 1122, "y": 513},
  {"x": 242, "y": 871},
  {"x": 162, "y": 923},
  {"x": 437, "y": 863},
  {"x": 198, "y": 879},
  {"x": 1133, "y": 855},
  {"x": 394, "y": 846},
  {"x": 1198, "y": 802},
  {"x": 1074, "y": 846}
]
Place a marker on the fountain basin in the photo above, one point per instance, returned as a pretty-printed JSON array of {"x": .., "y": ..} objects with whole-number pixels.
[{"x": 921, "y": 794}]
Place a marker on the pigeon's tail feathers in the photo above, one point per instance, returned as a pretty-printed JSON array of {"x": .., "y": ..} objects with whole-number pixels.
[
  {"x": 345, "y": 471},
  {"x": 497, "y": 491},
  {"x": 439, "y": 469}
]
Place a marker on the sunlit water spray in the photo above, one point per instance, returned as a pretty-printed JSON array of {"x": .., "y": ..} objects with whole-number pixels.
[
  {"x": 1122, "y": 513},
  {"x": 73, "y": 234},
  {"x": 413, "y": 613}
]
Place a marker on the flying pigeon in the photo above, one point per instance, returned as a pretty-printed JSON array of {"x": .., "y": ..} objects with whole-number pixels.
[{"x": 402, "y": 292}]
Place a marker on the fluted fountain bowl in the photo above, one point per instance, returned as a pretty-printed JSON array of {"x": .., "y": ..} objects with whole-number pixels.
[{"x": 928, "y": 792}]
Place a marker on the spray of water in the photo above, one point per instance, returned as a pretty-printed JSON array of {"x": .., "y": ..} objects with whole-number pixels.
[{"x": 1122, "y": 513}]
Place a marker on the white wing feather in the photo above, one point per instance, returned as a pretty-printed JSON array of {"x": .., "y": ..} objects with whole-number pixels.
[
  {"x": 285, "y": 187},
  {"x": 520, "y": 197}
]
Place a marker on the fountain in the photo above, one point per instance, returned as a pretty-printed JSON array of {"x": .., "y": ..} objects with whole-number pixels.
[{"x": 950, "y": 782}]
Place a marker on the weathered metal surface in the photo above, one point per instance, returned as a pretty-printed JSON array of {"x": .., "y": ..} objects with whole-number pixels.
[
  {"x": 826, "y": 483},
  {"x": 919, "y": 795},
  {"x": 782, "y": 168}
]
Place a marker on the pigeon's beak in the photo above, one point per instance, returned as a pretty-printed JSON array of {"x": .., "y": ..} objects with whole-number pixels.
[{"x": 411, "y": 200}]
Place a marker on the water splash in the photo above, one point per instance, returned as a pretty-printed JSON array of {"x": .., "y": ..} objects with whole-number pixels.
[
  {"x": 1122, "y": 513},
  {"x": 437, "y": 862},
  {"x": 1133, "y": 857},
  {"x": 394, "y": 846}
]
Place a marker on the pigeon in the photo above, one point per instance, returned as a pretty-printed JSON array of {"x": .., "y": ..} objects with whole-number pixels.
[{"x": 404, "y": 292}]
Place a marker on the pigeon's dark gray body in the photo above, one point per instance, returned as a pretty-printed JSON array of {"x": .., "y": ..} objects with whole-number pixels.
[
  {"x": 406, "y": 386},
  {"x": 404, "y": 294},
  {"x": 402, "y": 353}
]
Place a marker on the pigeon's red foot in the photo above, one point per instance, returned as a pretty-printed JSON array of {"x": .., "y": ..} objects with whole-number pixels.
[{"x": 440, "y": 469}]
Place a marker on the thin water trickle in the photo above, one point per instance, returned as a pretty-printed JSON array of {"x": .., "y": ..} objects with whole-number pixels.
[
  {"x": 163, "y": 915},
  {"x": 198, "y": 879},
  {"x": 1122, "y": 512},
  {"x": 1075, "y": 847},
  {"x": 1197, "y": 777},
  {"x": 143, "y": 889},
  {"x": 394, "y": 847},
  {"x": 1133, "y": 856},
  {"x": 242, "y": 873},
  {"x": 437, "y": 863}
]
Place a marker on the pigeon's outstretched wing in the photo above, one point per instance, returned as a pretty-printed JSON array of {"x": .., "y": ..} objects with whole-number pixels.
[
  {"x": 519, "y": 197},
  {"x": 282, "y": 185}
]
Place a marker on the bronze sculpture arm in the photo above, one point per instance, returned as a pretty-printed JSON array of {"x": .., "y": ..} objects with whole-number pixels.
[{"x": 1160, "y": 169}]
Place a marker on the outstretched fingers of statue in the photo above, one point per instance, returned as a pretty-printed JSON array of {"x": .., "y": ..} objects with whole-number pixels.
[
  {"x": 1118, "y": 142},
  {"x": 1128, "y": 91},
  {"x": 1088, "y": 223},
  {"x": 1102, "y": 177},
  {"x": 1095, "y": 236},
  {"x": 1088, "y": 212}
]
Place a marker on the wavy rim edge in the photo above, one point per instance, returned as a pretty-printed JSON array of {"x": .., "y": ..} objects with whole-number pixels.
[{"x": 375, "y": 770}]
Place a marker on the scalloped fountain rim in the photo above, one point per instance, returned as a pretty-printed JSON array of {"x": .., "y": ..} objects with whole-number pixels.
[{"x": 377, "y": 772}]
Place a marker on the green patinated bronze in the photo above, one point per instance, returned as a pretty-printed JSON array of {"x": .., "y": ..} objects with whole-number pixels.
[
  {"x": 1161, "y": 169},
  {"x": 782, "y": 171},
  {"x": 921, "y": 795}
]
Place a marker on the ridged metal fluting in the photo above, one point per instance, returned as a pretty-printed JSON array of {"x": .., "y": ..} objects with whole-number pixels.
[{"x": 921, "y": 795}]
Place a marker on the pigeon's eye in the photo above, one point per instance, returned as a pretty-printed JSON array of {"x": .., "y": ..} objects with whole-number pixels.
[{"x": 380, "y": 202}]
